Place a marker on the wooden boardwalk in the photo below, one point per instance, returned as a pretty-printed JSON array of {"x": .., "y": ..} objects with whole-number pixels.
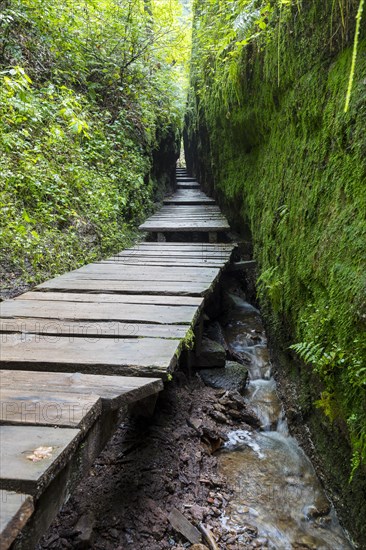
[
  {"x": 81, "y": 347},
  {"x": 188, "y": 210}
]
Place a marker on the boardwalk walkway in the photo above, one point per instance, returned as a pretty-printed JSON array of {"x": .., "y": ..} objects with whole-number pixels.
[{"x": 80, "y": 348}]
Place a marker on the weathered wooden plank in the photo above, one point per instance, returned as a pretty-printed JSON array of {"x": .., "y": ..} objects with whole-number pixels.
[
  {"x": 94, "y": 311},
  {"x": 15, "y": 510},
  {"x": 204, "y": 250},
  {"x": 199, "y": 261},
  {"x": 113, "y": 391},
  {"x": 187, "y": 199},
  {"x": 19, "y": 472},
  {"x": 184, "y": 245},
  {"x": 183, "y": 211},
  {"x": 181, "y": 254},
  {"x": 188, "y": 215},
  {"x": 181, "y": 524},
  {"x": 89, "y": 329},
  {"x": 188, "y": 219},
  {"x": 176, "y": 288},
  {"x": 187, "y": 185},
  {"x": 108, "y": 277},
  {"x": 135, "y": 273},
  {"x": 189, "y": 227},
  {"x": 164, "y": 263},
  {"x": 44, "y": 408},
  {"x": 190, "y": 193},
  {"x": 108, "y": 298},
  {"x": 192, "y": 207},
  {"x": 129, "y": 356}
]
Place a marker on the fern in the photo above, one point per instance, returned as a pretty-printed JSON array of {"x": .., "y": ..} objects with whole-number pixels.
[{"x": 310, "y": 352}]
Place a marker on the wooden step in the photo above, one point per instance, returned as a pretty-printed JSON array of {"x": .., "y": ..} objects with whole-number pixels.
[
  {"x": 112, "y": 391},
  {"x": 65, "y": 310},
  {"x": 15, "y": 511},
  {"x": 114, "y": 356},
  {"x": 47, "y": 462},
  {"x": 187, "y": 185}
]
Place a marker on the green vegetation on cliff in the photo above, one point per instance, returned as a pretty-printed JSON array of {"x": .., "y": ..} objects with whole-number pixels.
[
  {"x": 90, "y": 95},
  {"x": 267, "y": 131}
]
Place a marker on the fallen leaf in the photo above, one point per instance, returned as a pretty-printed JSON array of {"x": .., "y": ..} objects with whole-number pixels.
[{"x": 40, "y": 454}]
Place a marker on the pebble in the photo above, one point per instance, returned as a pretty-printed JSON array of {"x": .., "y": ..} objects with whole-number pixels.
[
  {"x": 219, "y": 417},
  {"x": 114, "y": 533}
]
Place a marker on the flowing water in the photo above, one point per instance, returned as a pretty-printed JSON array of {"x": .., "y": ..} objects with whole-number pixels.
[{"x": 276, "y": 490}]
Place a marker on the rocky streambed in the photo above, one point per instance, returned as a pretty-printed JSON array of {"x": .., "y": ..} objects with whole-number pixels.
[
  {"x": 217, "y": 452},
  {"x": 275, "y": 487}
]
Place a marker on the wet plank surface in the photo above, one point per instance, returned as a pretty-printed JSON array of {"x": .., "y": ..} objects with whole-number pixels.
[
  {"x": 113, "y": 391},
  {"x": 168, "y": 288},
  {"x": 98, "y": 311},
  {"x": 119, "y": 356},
  {"x": 15, "y": 510},
  {"x": 189, "y": 196},
  {"x": 19, "y": 468},
  {"x": 192, "y": 215},
  {"x": 107, "y": 298}
]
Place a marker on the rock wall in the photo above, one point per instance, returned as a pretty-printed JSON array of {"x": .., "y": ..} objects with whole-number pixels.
[{"x": 267, "y": 135}]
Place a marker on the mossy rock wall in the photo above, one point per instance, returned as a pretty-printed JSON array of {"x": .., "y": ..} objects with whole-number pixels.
[{"x": 283, "y": 158}]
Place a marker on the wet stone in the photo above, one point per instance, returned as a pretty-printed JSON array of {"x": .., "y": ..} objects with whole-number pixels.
[
  {"x": 233, "y": 377},
  {"x": 212, "y": 355},
  {"x": 215, "y": 332}
]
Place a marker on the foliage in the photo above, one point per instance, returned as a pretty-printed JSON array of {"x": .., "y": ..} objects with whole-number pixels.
[
  {"x": 284, "y": 154},
  {"x": 270, "y": 284},
  {"x": 354, "y": 54},
  {"x": 87, "y": 92}
]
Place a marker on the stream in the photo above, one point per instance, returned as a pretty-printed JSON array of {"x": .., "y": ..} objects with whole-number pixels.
[{"x": 276, "y": 490}]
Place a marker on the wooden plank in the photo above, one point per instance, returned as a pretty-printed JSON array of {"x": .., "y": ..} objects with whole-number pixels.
[
  {"x": 15, "y": 510},
  {"x": 171, "y": 253},
  {"x": 89, "y": 329},
  {"x": 187, "y": 185},
  {"x": 183, "y": 211},
  {"x": 189, "y": 192},
  {"x": 94, "y": 311},
  {"x": 187, "y": 199},
  {"x": 135, "y": 273},
  {"x": 108, "y": 298},
  {"x": 184, "y": 245},
  {"x": 144, "y": 279},
  {"x": 174, "y": 253},
  {"x": 184, "y": 226},
  {"x": 181, "y": 218},
  {"x": 44, "y": 408},
  {"x": 155, "y": 261},
  {"x": 188, "y": 215},
  {"x": 113, "y": 391},
  {"x": 168, "y": 260},
  {"x": 181, "y": 524},
  {"x": 176, "y": 288},
  {"x": 131, "y": 357},
  {"x": 20, "y": 473}
]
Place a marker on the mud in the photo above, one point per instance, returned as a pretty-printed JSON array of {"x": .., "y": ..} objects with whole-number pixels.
[{"x": 151, "y": 466}]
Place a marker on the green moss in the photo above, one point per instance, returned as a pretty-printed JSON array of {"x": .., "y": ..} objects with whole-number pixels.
[{"x": 289, "y": 162}]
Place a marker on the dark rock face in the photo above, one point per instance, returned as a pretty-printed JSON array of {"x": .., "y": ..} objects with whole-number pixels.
[
  {"x": 212, "y": 355},
  {"x": 233, "y": 376}
]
